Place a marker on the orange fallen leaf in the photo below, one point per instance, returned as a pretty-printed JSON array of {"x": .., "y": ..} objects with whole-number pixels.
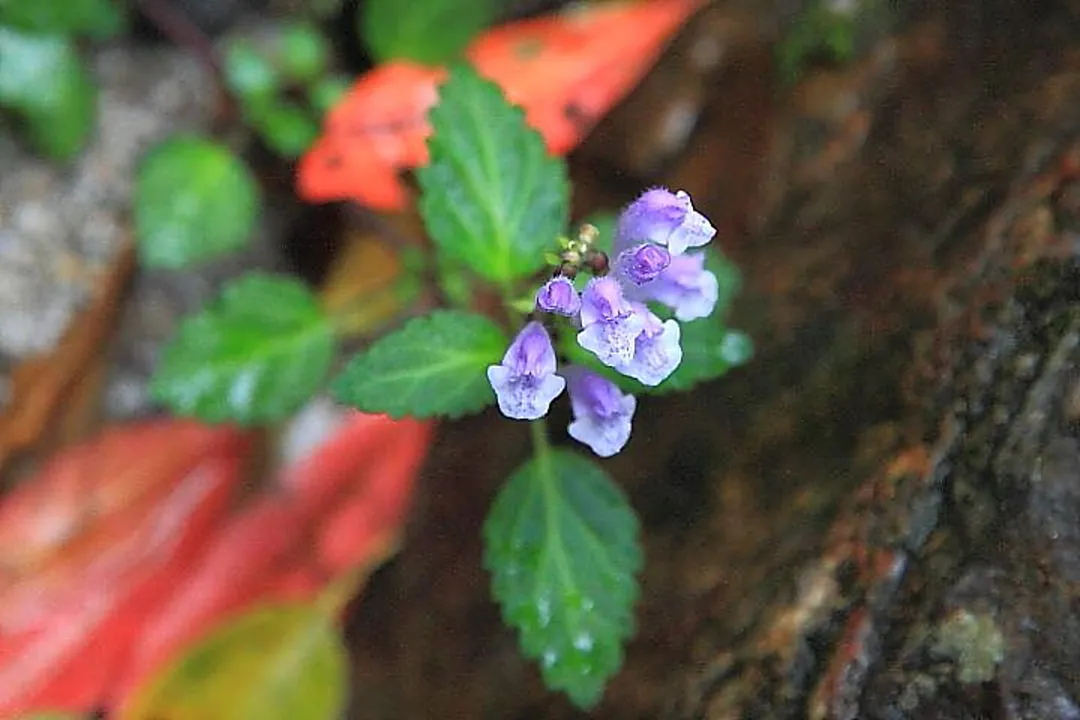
[{"x": 565, "y": 70}]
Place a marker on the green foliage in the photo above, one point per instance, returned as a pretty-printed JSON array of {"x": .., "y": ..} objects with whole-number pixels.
[
  {"x": 820, "y": 31},
  {"x": 305, "y": 53},
  {"x": 287, "y": 128},
  {"x": 194, "y": 200},
  {"x": 326, "y": 92},
  {"x": 263, "y": 80},
  {"x": 97, "y": 18},
  {"x": 435, "y": 365},
  {"x": 248, "y": 73},
  {"x": 561, "y": 542},
  {"x": 425, "y": 31},
  {"x": 254, "y": 355},
  {"x": 43, "y": 82},
  {"x": 492, "y": 196},
  {"x": 279, "y": 662}
]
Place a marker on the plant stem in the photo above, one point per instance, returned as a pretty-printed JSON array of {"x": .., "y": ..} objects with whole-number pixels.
[{"x": 541, "y": 446}]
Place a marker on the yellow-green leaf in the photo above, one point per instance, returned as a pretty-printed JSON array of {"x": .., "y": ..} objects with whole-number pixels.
[{"x": 280, "y": 662}]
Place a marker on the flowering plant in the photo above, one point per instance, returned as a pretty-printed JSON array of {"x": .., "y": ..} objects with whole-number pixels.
[{"x": 605, "y": 314}]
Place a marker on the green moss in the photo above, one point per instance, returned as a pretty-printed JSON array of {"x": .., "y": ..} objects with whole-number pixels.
[{"x": 974, "y": 642}]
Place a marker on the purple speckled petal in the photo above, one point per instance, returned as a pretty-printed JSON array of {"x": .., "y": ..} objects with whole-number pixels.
[
  {"x": 525, "y": 382},
  {"x": 657, "y": 352},
  {"x": 610, "y": 323}
]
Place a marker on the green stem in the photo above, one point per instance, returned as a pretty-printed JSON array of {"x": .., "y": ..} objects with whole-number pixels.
[{"x": 541, "y": 446}]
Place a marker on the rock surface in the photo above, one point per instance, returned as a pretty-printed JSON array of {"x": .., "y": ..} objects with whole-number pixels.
[{"x": 61, "y": 225}]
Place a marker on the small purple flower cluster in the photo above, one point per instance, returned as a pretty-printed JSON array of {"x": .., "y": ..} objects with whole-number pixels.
[{"x": 613, "y": 321}]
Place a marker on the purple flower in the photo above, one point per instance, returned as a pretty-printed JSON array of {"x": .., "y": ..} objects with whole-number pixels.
[
  {"x": 558, "y": 295},
  {"x": 665, "y": 218},
  {"x": 525, "y": 383},
  {"x": 642, "y": 264},
  {"x": 609, "y": 323},
  {"x": 656, "y": 349},
  {"x": 686, "y": 287},
  {"x": 602, "y": 413}
]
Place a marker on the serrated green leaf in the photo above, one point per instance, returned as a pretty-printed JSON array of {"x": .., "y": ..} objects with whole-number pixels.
[
  {"x": 43, "y": 81},
  {"x": 492, "y": 196},
  {"x": 194, "y": 200},
  {"x": 424, "y": 31},
  {"x": 561, "y": 543},
  {"x": 281, "y": 662},
  {"x": 256, "y": 354},
  {"x": 435, "y": 365},
  {"x": 98, "y": 18}
]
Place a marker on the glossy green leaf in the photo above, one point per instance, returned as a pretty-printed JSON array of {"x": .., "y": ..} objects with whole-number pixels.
[
  {"x": 561, "y": 543},
  {"x": 98, "y": 18},
  {"x": 492, "y": 196},
  {"x": 43, "y": 80},
  {"x": 281, "y": 662},
  {"x": 425, "y": 31},
  {"x": 194, "y": 199},
  {"x": 256, "y": 354},
  {"x": 434, "y": 365}
]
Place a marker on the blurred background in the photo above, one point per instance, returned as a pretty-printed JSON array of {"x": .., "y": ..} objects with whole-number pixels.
[{"x": 874, "y": 517}]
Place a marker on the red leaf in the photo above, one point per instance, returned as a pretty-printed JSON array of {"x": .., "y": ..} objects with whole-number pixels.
[
  {"x": 565, "y": 70},
  {"x": 83, "y": 544},
  {"x": 124, "y": 550}
]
